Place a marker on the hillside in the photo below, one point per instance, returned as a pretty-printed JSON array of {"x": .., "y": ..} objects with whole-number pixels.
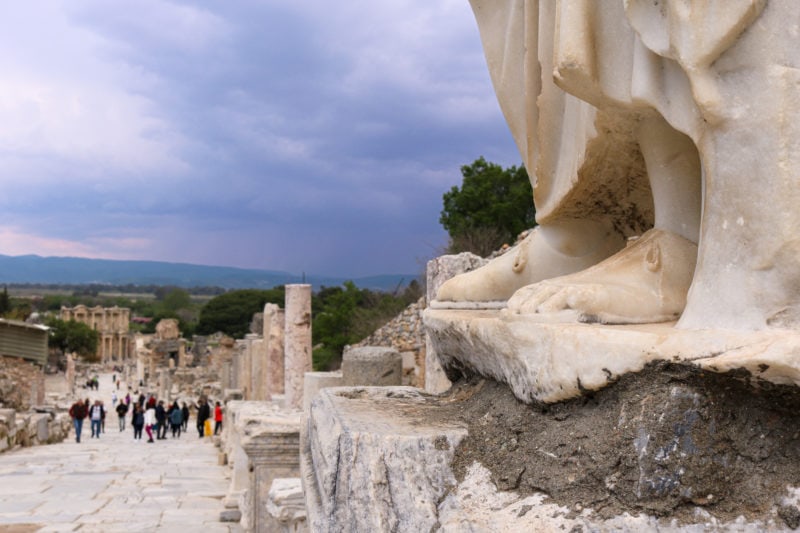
[{"x": 76, "y": 270}]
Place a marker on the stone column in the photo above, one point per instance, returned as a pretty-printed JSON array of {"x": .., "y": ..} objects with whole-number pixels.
[
  {"x": 438, "y": 271},
  {"x": 297, "y": 339},
  {"x": 274, "y": 324},
  {"x": 70, "y": 374},
  {"x": 139, "y": 368},
  {"x": 236, "y": 368},
  {"x": 225, "y": 375},
  {"x": 246, "y": 366},
  {"x": 258, "y": 357},
  {"x": 164, "y": 385}
]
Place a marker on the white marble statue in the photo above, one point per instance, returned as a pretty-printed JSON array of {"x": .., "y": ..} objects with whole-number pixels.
[{"x": 699, "y": 100}]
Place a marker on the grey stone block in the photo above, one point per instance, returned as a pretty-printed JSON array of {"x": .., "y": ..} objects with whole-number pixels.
[{"x": 372, "y": 366}]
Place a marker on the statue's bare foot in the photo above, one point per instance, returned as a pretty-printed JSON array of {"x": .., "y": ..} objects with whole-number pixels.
[
  {"x": 646, "y": 282},
  {"x": 549, "y": 251}
]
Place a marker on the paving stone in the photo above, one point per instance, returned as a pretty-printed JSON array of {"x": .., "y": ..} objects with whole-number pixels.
[{"x": 115, "y": 484}]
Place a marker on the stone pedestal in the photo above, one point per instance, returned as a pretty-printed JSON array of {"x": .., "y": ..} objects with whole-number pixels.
[
  {"x": 315, "y": 382},
  {"x": 553, "y": 362},
  {"x": 274, "y": 325},
  {"x": 297, "y": 341},
  {"x": 438, "y": 271},
  {"x": 374, "y": 459},
  {"x": 372, "y": 366},
  {"x": 262, "y": 444}
]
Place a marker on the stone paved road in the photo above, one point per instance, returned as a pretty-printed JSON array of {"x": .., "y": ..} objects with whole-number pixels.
[{"x": 114, "y": 484}]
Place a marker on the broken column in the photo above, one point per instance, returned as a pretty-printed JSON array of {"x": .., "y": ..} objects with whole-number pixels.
[
  {"x": 316, "y": 381},
  {"x": 274, "y": 324},
  {"x": 297, "y": 341}
]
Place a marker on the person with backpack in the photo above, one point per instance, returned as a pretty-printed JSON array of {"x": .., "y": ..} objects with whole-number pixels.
[
  {"x": 77, "y": 412},
  {"x": 161, "y": 421},
  {"x": 185, "y": 412},
  {"x": 122, "y": 410},
  {"x": 137, "y": 421},
  {"x": 203, "y": 414},
  {"x": 175, "y": 419}
]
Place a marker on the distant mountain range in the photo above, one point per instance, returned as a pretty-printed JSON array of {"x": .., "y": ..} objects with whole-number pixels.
[{"x": 80, "y": 271}]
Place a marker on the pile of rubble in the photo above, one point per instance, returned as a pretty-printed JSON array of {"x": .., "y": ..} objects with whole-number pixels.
[{"x": 25, "y": 418}]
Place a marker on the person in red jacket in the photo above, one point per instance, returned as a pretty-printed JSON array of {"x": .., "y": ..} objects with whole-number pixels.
[
  {"x": 217, "y": 418},
  {"x": 78, "y": 412}
]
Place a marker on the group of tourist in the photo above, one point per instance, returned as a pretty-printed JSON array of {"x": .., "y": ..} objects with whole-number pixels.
[
  {"x": 96, "y": 414},
  {"x": 147, "y": 414}
]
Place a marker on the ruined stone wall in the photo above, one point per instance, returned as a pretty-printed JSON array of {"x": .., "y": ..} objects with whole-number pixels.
[
  {"x": 405, "y": 334},
  {"x": 21, "y": 383}
]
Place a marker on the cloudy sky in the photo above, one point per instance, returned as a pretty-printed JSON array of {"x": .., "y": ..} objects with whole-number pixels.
[{"x": 299, "y": 135}]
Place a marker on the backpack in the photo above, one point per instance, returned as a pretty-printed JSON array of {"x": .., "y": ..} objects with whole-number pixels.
[{"x": 176, "y": 417}]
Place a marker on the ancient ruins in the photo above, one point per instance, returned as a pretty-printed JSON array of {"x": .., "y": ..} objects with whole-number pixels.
[
  {"x": 630, "y": 365},
  {"x": 646, "y": 328},
  {"x": 113, "y": 325}
]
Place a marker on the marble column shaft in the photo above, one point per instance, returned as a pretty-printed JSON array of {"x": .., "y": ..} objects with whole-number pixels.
[
  {"x": 274, "y": 324},
  {"x": 297, "y": 341}
]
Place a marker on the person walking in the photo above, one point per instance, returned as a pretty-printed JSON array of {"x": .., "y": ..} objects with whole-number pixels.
[
  {"x": 122, "y": 410},
  {"x": 113, "y": 398},
  {"x": 77, "y": 412},
  {"x": 203, "y": 414},
  {"x": 217, "y": 418},
  {"x": 175, "y": 419},
  {"x": 149, "y": 422},
  {"x": 185, "y": 412},
  {"x": 137, "y": 421},
  {"x": 96, "y": 417},
  {"x": 161, "y": 421}
]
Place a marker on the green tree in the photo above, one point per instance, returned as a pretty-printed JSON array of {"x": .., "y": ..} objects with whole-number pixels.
[
  {"x": 333, "y": 324},
  {"x": 176, "y": 299},
  {"x": 491, "y": 208},
  {"x": 232, "y": 312},
  {"x": 5, "y": 302},
  {"x": 72, "y": 336}
]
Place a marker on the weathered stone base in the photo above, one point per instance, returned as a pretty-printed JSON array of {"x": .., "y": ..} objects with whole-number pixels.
[
  {"x": 654, "y": 454},
  {"x": 553, "y": 362},
  {"x": 261, "y": 441},
  {"x": 372, "y": 460}
]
